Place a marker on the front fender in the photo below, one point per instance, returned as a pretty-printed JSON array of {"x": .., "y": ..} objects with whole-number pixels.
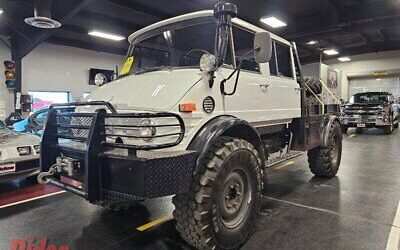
[{"x": 224, "y": 126}]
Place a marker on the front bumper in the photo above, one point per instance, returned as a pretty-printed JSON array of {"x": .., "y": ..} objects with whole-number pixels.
[
  {"x": 368, "y": 120},
  {"x": 113, "y": 171},
  {"x": 22, "y": 169}
]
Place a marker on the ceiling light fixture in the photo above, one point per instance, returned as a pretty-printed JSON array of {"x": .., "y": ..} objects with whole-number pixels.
[
  {"x": 106, "y": 35},
  {"x": 331, "y": 52},
  {"x": 312, "y": 42},
  {"x": 344, "y": 59},
  {"x": 273, "y": 22},
  {"x": 1, "y": 11},
  {"x": 378, "y": 79}
]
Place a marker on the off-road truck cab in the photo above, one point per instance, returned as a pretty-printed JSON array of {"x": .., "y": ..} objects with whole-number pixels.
[{"x": 201, "y": 103}]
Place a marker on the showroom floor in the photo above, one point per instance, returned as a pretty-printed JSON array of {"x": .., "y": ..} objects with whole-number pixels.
[{"x": 353, "y": 211}]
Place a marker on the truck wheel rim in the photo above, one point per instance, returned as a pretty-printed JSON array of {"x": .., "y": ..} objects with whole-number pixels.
[
  {"x": 236, "y": 197},
  {"x": 334, "y": 150}
]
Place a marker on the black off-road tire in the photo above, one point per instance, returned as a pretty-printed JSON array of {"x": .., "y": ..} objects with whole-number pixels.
[
  {"x": 388, "y": 130},
  {"x": 314, "y": 84},
  {"x": 325, "y": 161},
  {"x": 198, "y": 213},
  {"x": 344, "y": 129},
  {"x": 396, "y": 125}
]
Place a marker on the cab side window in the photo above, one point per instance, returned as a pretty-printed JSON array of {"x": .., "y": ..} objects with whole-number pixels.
[
  {"x": 281, "y": 61},
  {"x": 244, "y": 42}
]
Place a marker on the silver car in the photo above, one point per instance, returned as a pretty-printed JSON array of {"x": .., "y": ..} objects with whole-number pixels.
[{"x": 19, "y": 154}]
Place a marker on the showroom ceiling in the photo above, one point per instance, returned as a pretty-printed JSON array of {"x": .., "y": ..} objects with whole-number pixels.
[{"x": 349, "y": 26}]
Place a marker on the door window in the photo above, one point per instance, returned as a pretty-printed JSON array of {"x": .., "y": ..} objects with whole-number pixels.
[
  {"x": 244, "y": 42},
  {"x": 281, "y": 61}
]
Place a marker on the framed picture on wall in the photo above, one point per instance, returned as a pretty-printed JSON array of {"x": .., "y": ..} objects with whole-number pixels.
[
  {"x": 332, "y": 79},
  {"x": 100, "y": 76}
]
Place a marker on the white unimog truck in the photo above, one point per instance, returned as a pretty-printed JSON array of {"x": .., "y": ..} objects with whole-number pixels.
[{"x": 200, "y": 104}]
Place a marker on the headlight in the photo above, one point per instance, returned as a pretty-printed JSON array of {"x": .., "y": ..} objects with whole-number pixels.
[
  {"x": 144, "y": 128},
  {"x": 208, "y": 63},
  {"x": 37, "y": 149},
  {"x": 147, "y": 131},
  {"x": 24, "y": 150}
]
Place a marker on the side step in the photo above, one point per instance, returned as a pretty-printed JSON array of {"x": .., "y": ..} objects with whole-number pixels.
[{"x": 279, "y": 159}]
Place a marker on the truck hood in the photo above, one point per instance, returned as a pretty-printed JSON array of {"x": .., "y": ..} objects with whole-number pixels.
[
  {"x": 10, "y": 138},
  {"x": 151, "y": 91}
]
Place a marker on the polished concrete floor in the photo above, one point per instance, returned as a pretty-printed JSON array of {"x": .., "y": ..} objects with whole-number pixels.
[{"x": 355, "y": 210}]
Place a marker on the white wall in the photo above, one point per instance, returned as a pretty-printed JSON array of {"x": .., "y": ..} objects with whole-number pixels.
[
  {"x": 52, "y": 67},
  {"x": 6, "y": 95},
  {"x": 371, "y": 62}
]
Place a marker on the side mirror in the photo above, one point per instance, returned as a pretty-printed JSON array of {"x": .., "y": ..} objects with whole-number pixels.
[{"x": 262, "y": 47}]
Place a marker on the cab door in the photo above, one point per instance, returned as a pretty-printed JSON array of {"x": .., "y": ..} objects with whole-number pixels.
[
  {"x": 262, "y": 98},
  {"x": 285, "y": 92}
]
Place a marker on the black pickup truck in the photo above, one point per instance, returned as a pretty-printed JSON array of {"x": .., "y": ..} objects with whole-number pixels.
[{"x": 371, "y": 109}]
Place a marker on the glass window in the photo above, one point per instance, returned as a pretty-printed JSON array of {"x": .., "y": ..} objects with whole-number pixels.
[
  {"x": 244, "y": 42},
  {"x": 43, "y": 99},
  {"x": 40, "y": 118},
  {"x": 273, "y": 70},
  {"x": 174, "y": 46},
  {"x": 369, "y": 97},
  {"x": 284, "y": 60}
]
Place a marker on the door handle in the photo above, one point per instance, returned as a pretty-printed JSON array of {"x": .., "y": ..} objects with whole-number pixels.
[
  {"x": 264, "y": 85},
  {"x": 298, "y": 88}
]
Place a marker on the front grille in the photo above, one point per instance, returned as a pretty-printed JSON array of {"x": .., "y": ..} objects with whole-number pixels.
[
  {"x": 27, "y": 165},
  {"x": 74, "y": 126}
]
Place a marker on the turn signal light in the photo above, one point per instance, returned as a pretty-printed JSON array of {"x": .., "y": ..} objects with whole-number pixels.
[{"x": 187, "y": 107}]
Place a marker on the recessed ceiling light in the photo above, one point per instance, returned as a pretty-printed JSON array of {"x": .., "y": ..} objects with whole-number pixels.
[
  {"x": 378, "y": 79},
  {"x": 106, "y": 35},
  {"x": 331, "y": 52},
  {"x": 1, "y": 11},
  {"x": 273, "y": 22},
  {"x": 344, "y": 59},
  {"x": 312, "y": 42}
]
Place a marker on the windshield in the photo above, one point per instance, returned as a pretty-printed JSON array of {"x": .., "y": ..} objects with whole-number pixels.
[
  {"x": 371, "y": 97},
  {"x": 175, "y": 45}
]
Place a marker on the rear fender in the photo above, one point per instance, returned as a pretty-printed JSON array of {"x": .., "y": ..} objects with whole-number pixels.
[{"x": 326, "y": 124}]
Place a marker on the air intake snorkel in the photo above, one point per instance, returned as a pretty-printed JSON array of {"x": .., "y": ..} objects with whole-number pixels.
[{"x": 224, "y": 12}]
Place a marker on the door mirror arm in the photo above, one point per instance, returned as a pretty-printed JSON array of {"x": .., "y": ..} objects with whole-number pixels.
[{"x": 237, "y": 71}]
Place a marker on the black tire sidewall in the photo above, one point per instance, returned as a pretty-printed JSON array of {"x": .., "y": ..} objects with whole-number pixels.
[{"x": 244, "y": 160}]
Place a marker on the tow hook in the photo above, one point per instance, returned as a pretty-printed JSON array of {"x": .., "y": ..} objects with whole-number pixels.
[
  {"x": 42, "y": 177},
  {"x": 63, "y": 165}
]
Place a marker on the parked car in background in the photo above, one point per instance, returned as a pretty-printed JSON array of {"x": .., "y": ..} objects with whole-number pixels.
[
  {"x": 32, "y": 124},
  {"x": 19, "y": 154},
  {"x": 371, "y": 109}
]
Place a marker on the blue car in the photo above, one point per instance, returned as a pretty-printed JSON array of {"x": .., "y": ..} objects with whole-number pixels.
[{"x": 32, "y": 124}]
